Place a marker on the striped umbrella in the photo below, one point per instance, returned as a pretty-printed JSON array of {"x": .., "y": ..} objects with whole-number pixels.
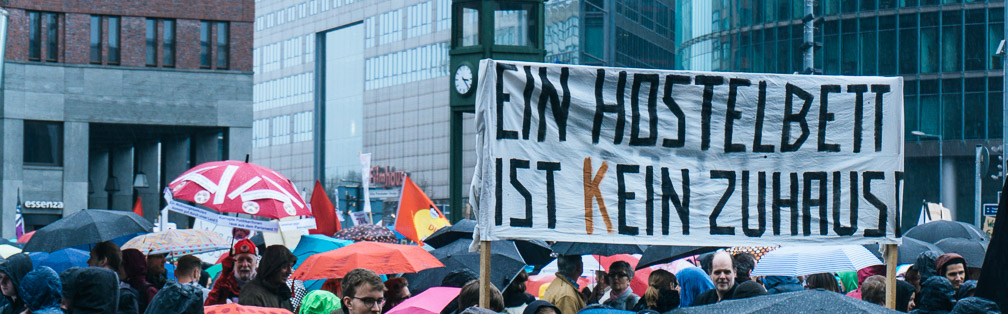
[
  {"x": 805, "y": 260},
  {"x": 178, "y": 242}
]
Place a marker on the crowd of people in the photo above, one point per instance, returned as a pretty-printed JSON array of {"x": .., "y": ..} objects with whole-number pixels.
[{"x": 128, "y": 281}]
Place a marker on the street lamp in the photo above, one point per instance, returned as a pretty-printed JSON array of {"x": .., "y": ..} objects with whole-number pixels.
[{"x": 941, "y": 182}]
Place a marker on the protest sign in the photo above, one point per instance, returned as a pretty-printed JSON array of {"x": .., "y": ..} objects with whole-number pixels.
[{"x": 619, "y": 155}]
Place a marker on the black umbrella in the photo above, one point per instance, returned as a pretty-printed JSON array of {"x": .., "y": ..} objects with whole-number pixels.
[
  {"x": 805, "y": 301},
  {"x": 86, "y": 227},
  {"x": 908, "y": 251},
  {"x": 505, "y": 263},
  {"x": 937, "y": 230},
  {"x": 661, "y": 254},
  {"x": 603, "y": 249},
  {"x": 463, "y": 229},
  {"x": 970, "y": 250}
]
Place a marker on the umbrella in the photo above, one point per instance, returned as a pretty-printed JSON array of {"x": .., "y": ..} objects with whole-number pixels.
[
  {"x": 312, "y": 244},
  {"x": 505, "y": 261},
  {"x": 86, "y": 226},
  {"x": 178, "y": 242},
  {"x": 430, "y": 301},
  {"x": 805, "y": 260},
  {"x": 604, "y": 249},
  {"x": 25, "y": 237},
  {"x": 661, "y": 254},
  {"x": 908, "y": 251},
  {"x": 533, "y": 252},
  {"x": 6, "y": 250},
  {"x": 589, "y": 265},
  {"x": 234, "y": 308},
  {"x": 755, "y": 251},
  {"x": 970, "y": 250},
  {"x": 805, "y": 301},
  {"x": 934, "y": 231},
  {"x": 382, "y": 258},
  {"x": 233, "y": 186},
  {"x": 367, "y": 232},
  {"x": 60, "y": 260},
  {"x": 463, "y": 229}
]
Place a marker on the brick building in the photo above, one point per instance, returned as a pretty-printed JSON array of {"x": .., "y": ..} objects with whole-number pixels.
[{"x": 106, "y": 101}]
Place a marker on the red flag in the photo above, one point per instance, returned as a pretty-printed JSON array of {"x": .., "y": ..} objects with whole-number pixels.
[
  {"x": 138, "y": 207},
  {"x": 324, "y": 212},
  {"x": 417, "y": 217}
]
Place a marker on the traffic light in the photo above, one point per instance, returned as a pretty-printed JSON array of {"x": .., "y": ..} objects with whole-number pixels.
[{"x": 997, "y": 156}]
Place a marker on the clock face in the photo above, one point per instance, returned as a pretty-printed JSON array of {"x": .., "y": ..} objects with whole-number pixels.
[{"x": 463, "y": 79}]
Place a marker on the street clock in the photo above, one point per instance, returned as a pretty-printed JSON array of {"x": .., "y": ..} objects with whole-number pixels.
[{"x": 463, "y": 79}]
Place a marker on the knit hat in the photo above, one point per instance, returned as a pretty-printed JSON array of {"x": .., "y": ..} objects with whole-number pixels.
[{"x": 245, "y": 246}]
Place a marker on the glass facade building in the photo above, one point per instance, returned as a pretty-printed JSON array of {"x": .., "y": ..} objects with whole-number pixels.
[
  {"x": 622, "y": 33},
  {"x": 945, "y": 51}
]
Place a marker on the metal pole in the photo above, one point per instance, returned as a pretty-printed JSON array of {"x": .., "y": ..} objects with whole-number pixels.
[
  {"x": 808, "y": 62},
  {"x": 978, "y": 205},
  {"x": 455, "y": 166},
  {"x": 941, "y": 172}
]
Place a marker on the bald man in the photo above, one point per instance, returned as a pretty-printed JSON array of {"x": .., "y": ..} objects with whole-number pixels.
[{"x": 723, "y": 275}]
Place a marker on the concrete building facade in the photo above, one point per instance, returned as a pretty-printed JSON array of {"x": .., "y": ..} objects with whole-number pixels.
[{"x": 100, "y": 95}]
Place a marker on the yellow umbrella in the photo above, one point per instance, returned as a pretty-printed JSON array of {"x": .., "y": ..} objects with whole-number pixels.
[
  {"x": 178, "y": 242},
  {"x": 6, "y": 250}
]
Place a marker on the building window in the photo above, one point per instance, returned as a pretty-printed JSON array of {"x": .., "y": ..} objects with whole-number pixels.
[
  {"x": 222, "y": 45},
  {"x": 113, "y": 40},
  {"x": 96, "y": 36},
  {"x": 169, "y": 43},
  {"x": 35, "y": 36},
  {"x": 43, "y": 143},
  {"x": 52, "y": 37},
  {"x": 205, "y": 44},
  {"x": 151, "y": 36}
]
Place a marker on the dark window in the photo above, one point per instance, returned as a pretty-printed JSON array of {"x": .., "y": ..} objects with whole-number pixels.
[
  {"x": 43, "y": 143},
  {"x": 96, "y": 36},
  {"x": 169, "y": 43},
  {"x": 151, "y": 36},
  {"x": 204, "y": 44},
  {"x": 113, "y": 40},
  {"x": 52, "y": 37},
  {"x": 35, "y": 36},
  {"x": 223, "y": 45}
]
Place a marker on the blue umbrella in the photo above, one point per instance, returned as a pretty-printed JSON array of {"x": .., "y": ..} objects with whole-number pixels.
[
  {"x": 60, "y": 260},
  {"x": 314, "y": 244}
]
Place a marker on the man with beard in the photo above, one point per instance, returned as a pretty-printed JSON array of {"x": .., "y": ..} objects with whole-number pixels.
[
  {"x": 237, "y": 269},
  {"x": 723, "y": 273},
  {"x": 269, "y": 288}
]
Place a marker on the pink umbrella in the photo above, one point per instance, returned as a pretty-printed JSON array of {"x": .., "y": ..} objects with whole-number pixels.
[
  {"x": 240, "y": 187},
  {"x": 431, "y": 301}
]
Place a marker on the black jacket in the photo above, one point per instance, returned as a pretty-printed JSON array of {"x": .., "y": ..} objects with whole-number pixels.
[
  {"x": 16, "y": 267},
  {"x": 711, "y": 296},
  {"x": 90, "y": 290}
]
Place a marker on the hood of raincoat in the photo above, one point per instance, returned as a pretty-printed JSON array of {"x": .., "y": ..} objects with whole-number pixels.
[
  {"x": 177, "y": 298},
  {"x": 319, "y": 302},
  {"x": 692, "y": 282},
  {"x": 536, "y": 305},
  {"x": 41, "y": 288},
  {"x": 134, "y": 264},
  {"x": 781, "y": 284},
  {"x": 849, "y": 280},
  {"x": 965, "y": 289},
  {"x": 16, "y": 267},
  {"x": 903, "y": 292},
  {"x": 936, "y": 295},
  {"x": 869, "y": 271},
  {"x": 926, "y": 264},
  {"x": 948, "y": 259},
  {"x": 975, "y": 305},
  {"x": 90, "y": 290}
]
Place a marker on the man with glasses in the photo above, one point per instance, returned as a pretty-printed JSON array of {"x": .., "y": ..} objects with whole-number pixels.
[
  {"x": 621, "y": 297},
  {"x": 363, "y": 292}
]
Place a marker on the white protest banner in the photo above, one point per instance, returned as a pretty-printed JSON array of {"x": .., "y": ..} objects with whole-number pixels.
[{"x": 619, "y": 155}]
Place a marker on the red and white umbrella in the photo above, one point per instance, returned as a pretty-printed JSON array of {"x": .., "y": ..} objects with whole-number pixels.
[{"x": 232, "y": 186}]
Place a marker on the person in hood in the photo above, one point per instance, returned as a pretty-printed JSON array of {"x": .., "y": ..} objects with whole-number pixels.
[
  {"x": 693, "y": 281},
  {"x": 975, "y": 305},
  {"x": 723, "y": 274},
  {"x": 269, "y": 288},
  {"x": 515, "y": 297},
  {"x": 863, "y": 274},
  {"x": 848, "y": 279},
  {"x": 237, "y": 269},
  {"x": 936, "y": 296},
  {"x": 541, "y": 307},
  {"x": 904, "y": 291},
  {"x": 319, "y": 302},
  {"x": 134, "y": 266},
  {"x": 953, "y": 267},
  {"x": 966, "y": 289},
  {"x": 12, "y": 271},
  {"x": 782, "y": 284},
  {"x": 925, "y": 264},
  {"x": 176, "y": 298},
  {"x": 662, "y": 293},
  {"x": 90, "y": 290},
  {"x": 41, "y": 290}
]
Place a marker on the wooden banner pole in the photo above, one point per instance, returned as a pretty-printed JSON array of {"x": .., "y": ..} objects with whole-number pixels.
[
  {"x": 891, "y": 254},
  {"x": 484, "y": 275}
]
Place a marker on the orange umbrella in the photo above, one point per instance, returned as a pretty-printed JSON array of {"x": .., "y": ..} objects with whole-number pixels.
[
  {"x": 234, "y": 308},
  {"x": 382, "y": 258},
  {"x": 25, "y": 237}
]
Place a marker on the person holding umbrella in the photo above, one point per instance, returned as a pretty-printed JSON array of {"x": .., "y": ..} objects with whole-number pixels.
[
  {"x": 238, "y": 269},
  {"x": 269, "y": 288},
  {"x": 11, "y": 272}
]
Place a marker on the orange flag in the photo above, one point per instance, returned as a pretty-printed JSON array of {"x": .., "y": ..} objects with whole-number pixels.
[
  {"x": 326, "y": 222},
  {"x": 417, "y": 217},
  {"x": 138, "y": 207}
]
